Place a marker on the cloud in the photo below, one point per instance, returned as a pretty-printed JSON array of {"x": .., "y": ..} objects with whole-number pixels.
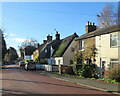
[
  {"x": 6, "y": 34},
  {"x": 19, "y": 39}
]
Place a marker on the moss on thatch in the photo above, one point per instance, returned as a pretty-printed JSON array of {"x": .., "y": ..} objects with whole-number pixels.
[{"x": 62, "y": 48}]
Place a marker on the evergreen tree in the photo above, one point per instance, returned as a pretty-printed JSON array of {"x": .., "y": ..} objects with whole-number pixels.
[
  {"x": 11, "y": 55},
  {"x": 3, "y": 48}
]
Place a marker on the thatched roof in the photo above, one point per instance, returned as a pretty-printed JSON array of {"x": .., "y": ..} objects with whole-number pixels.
[
  {"x": 29, "y": 50},
  {"x": 64, "y": 45}
]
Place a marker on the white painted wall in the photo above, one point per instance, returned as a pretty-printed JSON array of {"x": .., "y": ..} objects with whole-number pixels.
[
  {"x": 32, "y": 57},
  {"x": 104, "y": 50},
  {"x": 51, "y": 61},
  {"x": 57, "y": 60},
  {"x": 47, "y": 67}
]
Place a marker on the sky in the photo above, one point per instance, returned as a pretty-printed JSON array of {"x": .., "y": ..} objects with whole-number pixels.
[{"x": 25, "y": 20}]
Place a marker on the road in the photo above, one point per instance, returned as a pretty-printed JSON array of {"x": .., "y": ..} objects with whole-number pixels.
[{"x": 16, "y": 80}]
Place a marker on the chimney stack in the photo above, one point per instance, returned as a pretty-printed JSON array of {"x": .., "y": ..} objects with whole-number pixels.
[
  {"x": 44, "y": 41},
  {"x": 57, "y": 36},
  {"x": 90, "y": 27},
  {"x": 49, "y": 38},
  {"x": 38, "y": 45}
]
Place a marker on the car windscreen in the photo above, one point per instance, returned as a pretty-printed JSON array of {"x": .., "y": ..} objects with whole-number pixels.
[{"x": 22, "y": 62}]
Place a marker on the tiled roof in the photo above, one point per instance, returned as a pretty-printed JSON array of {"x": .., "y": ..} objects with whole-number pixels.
[{"x": 100, "y": 31}]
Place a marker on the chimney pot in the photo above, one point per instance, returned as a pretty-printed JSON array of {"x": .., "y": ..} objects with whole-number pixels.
[
  {"x": 38, "y": 45},
  {"x": 56, "y": 32},
  {"x": 57, "y": 36},
  {"x": 88, "y": 23},
  {"x": 49, "y": 38},
  {"x": 44, "y": 41},
  {"x": 90, "y": 28}
]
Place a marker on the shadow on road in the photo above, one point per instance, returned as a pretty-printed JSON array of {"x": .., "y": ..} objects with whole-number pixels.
[
  {"x": 48, "y": 83},
  {"x": 6, "y": 91},
  {"x": 12, "y": 68}
]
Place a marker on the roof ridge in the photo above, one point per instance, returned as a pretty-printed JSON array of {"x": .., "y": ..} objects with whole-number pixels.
[
  {"x": 69, "y": 36},
  {"x": 100, "y": 31}
]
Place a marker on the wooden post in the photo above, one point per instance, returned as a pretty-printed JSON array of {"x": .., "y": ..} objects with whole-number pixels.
[{"x": 60, "y": 69}]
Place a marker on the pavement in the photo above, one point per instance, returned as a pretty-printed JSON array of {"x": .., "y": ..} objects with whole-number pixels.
[{"x": 99, "y": 85}]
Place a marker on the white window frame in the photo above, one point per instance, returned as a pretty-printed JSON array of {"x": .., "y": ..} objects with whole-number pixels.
[
  {"x": 59, "y": 61},
  {"x": 113, "y": 61},
  {"x": 113, "y": 37},
  {"x": 81, "y": 45}
]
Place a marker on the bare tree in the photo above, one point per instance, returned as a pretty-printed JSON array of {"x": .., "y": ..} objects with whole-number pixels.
[
  {"x": 108, "y": 16},
  {"x": 28, "y": 42}
]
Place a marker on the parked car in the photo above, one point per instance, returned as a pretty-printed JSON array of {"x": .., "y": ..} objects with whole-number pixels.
[
  {"x": 30, "y": 65},
  {"x": 21, "y": 63}
]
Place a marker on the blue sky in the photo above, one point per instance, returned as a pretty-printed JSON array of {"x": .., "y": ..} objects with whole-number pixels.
[{"x": 24, "y": 20}]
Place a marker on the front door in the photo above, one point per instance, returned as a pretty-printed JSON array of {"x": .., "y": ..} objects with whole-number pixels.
[{"x": 103, "y": 66}]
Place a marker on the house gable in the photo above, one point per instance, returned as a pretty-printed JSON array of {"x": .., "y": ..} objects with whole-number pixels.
[{"x": 64, "y": 45}]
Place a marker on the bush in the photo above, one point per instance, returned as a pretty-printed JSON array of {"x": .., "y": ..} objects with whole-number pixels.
[
  {"x": 37, "y": 61},
  {"x": 85, "y": 71},
  {"x": 67, "y": 70},
  {"x": 43, "y": 62},
  {"x": 113, "y": 74}
]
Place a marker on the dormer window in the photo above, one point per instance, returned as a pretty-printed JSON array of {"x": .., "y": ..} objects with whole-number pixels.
[
  {"x": 81, "y": 45},
  {"x": 52, "y": 50},
  {"x": 45, "y": 50}
]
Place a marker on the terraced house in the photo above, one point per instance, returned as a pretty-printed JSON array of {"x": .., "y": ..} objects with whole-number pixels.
[
  {"x": 106, "y": 41},
  {"x": 39, "y": 50},
  {"x": 28, "y": 52},
  {"x": 85, "y": 43},
  {"x": 49, "y": 49},
  {"x": 108, "y": 48},
  {"x": 58, "y": 52},
  {"x": 65, "y": 53}
]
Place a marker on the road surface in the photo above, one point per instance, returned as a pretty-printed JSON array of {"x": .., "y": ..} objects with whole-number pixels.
[{"x": 16, "y": 80}]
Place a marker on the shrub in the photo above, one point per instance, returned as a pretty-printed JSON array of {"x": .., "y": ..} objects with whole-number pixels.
[
  {"x": 113, "y": 74},
  {"x": 37, "y": 60},
  {"x": 67, "y": 70},
  {"x": 43, "y": 62},
  {"x": 85, "y": 71}
]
